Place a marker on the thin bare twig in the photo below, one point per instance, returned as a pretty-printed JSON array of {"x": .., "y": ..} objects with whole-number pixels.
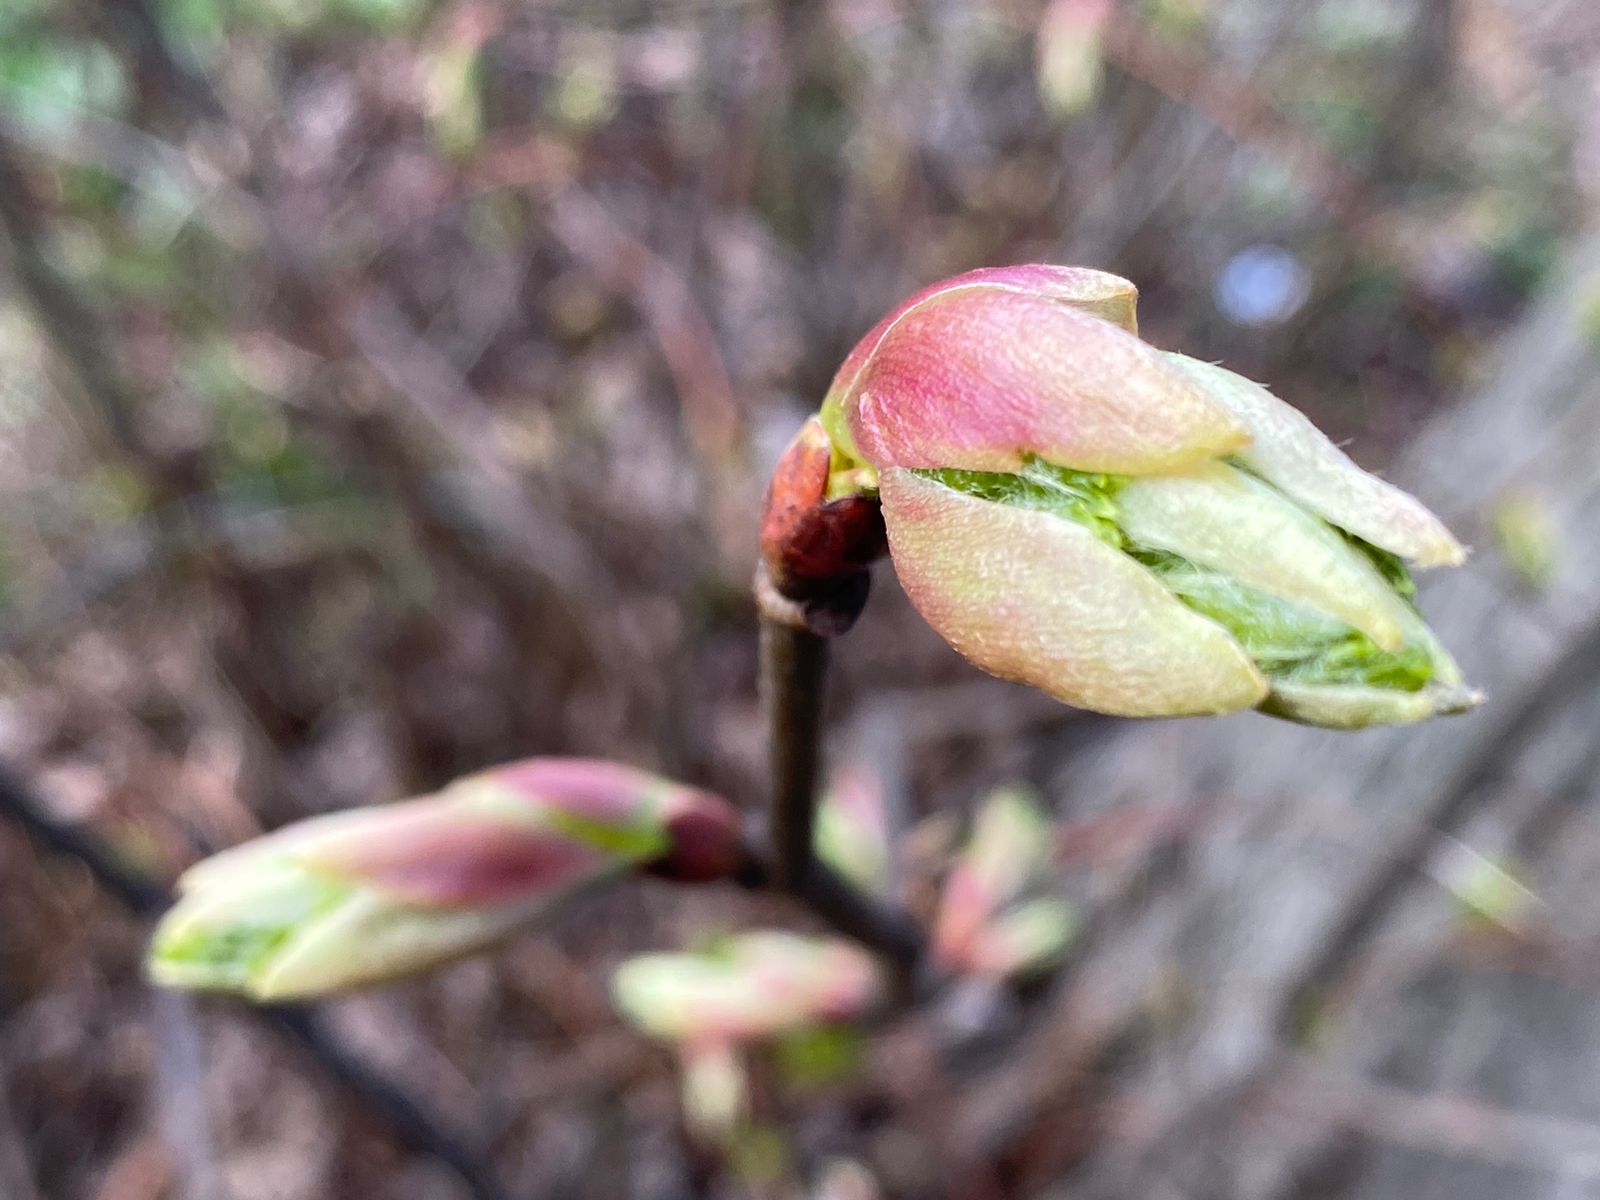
[
  {"x": 1455, "y": 802},
  {"x": 794, "y": 669},
  {"x": 1441, "y": 1122}
]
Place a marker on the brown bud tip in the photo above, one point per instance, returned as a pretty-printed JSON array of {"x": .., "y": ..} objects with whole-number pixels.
[
  {"x": 810, "y": 543},
  {"x": 706, "y": 836}
]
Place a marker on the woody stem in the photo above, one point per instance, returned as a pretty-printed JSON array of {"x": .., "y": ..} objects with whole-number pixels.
[
  {"x": 794, "y": 665},
  {"x": 795, "y": 668}
]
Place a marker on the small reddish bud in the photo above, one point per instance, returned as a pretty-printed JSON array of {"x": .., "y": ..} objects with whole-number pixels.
[
  {"x": 705, "y": 837},
  {"x": 812, "y": 544}
]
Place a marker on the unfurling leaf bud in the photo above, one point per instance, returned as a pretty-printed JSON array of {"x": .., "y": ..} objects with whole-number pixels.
[
  {"x": 1129, "y": 530},
  {"x": 985, "y": 926},
  {"x": 359, "y": 897}
]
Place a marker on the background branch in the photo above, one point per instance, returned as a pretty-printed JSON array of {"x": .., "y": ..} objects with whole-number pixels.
[{"x": 408, "y": 1120}]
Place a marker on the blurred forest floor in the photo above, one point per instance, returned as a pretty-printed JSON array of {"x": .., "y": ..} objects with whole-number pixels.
[{"x": 387, "y": 389}]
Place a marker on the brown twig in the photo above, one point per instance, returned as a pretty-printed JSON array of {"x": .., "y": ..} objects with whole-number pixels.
[{"x": 794, "y": 666}]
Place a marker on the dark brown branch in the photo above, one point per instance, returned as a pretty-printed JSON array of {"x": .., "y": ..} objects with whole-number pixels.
[
  {"x": 794, "y": 669},
  {"x": 795, "y": 666},
  {"x": 889, "y": 931}
]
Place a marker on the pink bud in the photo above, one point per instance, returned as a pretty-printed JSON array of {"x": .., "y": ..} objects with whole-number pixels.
[
  {"x": 425, "y": 852},
  {"x": 1129, "y": 530},
  {"x": 981, "y": 927},
  {"x": 1023, "y": 941},
  {"x": 368, "y": 895}
]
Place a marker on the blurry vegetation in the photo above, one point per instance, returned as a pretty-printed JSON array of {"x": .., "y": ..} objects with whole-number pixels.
[{"x": 388, "y": 385}]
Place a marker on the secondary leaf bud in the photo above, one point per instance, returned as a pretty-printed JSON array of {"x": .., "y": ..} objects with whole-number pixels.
[{"x": 359, "y": 897}]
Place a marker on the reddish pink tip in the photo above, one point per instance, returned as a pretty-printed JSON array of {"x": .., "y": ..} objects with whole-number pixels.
[
  {"x": 976, "y": 373},
  {"x": 426, "y": 853}
]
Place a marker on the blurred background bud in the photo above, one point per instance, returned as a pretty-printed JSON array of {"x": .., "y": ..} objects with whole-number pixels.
[
  {"x": 1024, "y": 940},
  {"x": 846, "y": 1179},
  {"x": 715, "y": 1092},
  {"x": 985, "y": 925},
  {"x": 451, "y": 78},
  {"x": 1489, "y": 891},
  {"x": 1527, "y": 537},
  {"x": 747, "y": 987},
  {"x": 1132, "y": 531},
  {"x": 1070, "y": 69},
  {"x": 359, "y": 897},
  {"x": 853, "y": 830}
]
